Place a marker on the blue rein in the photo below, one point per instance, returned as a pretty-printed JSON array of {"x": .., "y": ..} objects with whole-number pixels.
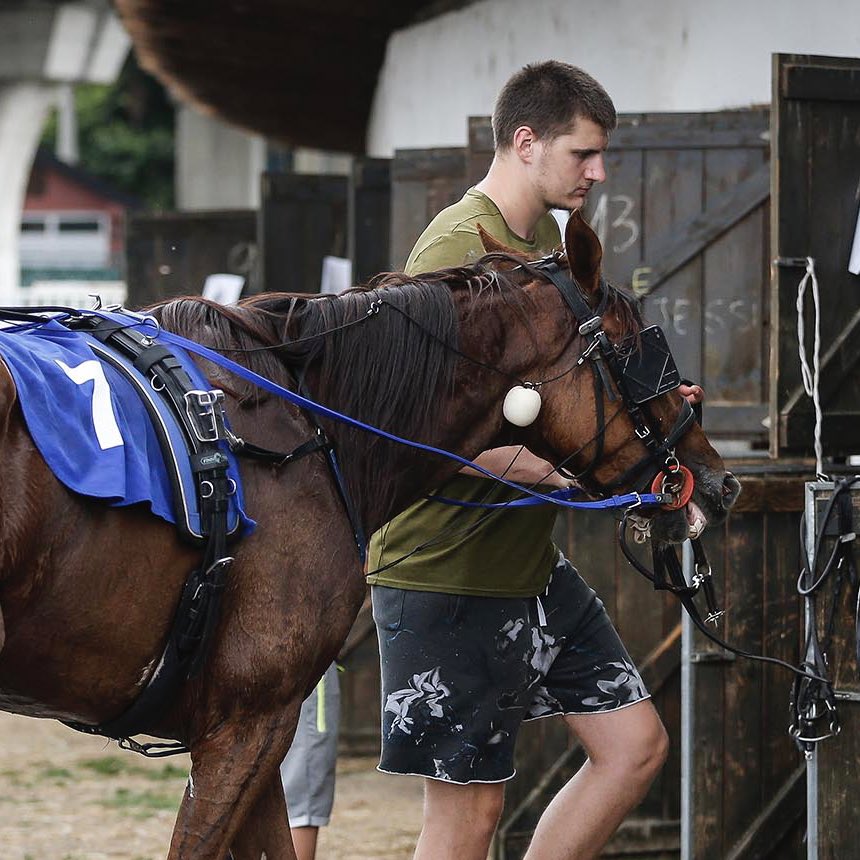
[{"x": 555, "y": 497}]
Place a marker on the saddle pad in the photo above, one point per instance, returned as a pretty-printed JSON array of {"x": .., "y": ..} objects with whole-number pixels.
[{"x": 92, "y": 428}]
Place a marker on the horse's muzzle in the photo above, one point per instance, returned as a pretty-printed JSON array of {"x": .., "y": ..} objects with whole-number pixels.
[{"x": 713, "y": 497}]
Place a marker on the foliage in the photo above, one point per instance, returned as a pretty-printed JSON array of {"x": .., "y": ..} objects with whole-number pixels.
[{"x": 126, "y": 135}]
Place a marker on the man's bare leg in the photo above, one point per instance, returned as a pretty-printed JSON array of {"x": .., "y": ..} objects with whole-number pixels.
[
  {"x": 305, "y": 842},
  {"x": 459, "y": 820},
  {"x": 626, "y": 749}
]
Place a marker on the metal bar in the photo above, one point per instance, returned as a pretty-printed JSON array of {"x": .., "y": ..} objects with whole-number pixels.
[
  {"x": 688, "y": 690},
  {"x": 810, "y": 488}
]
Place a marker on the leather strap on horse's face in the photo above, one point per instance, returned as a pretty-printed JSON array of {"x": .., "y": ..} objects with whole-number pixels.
[{"x": 608, "y": 369}]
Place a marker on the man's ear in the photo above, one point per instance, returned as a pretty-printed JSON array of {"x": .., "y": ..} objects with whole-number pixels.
[{"x": 523, "y": 143}]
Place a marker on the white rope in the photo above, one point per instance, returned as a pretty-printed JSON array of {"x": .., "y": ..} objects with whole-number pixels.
[{"x": 811, "y": 377}]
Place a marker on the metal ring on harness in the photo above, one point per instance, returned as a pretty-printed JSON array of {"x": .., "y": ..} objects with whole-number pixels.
[
  {"x": 207, "y": 489},
  {"x": 664, "y": 483}
]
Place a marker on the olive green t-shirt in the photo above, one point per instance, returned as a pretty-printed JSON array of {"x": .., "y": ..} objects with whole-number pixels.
[{"x": 508, "y": 553}]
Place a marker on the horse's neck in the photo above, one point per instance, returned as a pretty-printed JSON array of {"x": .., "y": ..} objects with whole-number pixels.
[{"x": 469, "y": 419}]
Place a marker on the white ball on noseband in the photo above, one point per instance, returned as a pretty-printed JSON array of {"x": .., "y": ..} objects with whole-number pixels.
[{"x": 521, "y": 405}]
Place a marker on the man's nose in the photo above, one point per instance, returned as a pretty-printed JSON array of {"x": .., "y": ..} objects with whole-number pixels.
[{"x": 596, "y": 170}]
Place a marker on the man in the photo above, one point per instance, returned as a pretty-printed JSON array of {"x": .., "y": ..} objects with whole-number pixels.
[
  {"x": 488, "y": 624},
  {"x": 308, "y": 770}
]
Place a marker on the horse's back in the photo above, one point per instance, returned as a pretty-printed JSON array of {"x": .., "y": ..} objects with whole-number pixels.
[{"x": 8, "y": 393}]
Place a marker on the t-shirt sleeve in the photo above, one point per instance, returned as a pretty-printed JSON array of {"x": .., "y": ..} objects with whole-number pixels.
[{"x": 456, "y": 248}]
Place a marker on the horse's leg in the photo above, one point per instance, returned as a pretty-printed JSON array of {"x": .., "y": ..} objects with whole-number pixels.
[
  {"x": 266, "y": 831},
  {"x": 232, "y": 774}
]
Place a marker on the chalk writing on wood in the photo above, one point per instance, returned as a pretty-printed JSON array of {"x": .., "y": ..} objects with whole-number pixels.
[
  {"x": 680, "y": 315},
  {"x": 612, "y": 222}
]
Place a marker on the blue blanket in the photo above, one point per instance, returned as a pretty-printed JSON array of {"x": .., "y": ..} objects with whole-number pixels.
[{"x": 92, "y": 428}]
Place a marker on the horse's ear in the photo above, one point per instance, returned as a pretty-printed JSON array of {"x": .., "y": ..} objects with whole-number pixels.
[
  {"x": 583, "y": 251},
  {"x": 493, "y": 245}
]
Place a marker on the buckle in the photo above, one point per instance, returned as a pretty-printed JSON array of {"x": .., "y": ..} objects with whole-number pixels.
[
  {"x": 205, "y": 410},
  {"x": 590, "y": 326}
]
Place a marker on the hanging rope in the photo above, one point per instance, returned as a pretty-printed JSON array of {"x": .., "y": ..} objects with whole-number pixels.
[{"x": 811, "y": 377}]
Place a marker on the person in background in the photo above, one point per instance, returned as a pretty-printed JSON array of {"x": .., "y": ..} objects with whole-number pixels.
[
  {"x": 308, "y": 770},
  {"x": 488, "y": 624}
]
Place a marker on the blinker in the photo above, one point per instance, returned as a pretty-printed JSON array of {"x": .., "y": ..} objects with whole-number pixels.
[{"x": 650, "y": 370}]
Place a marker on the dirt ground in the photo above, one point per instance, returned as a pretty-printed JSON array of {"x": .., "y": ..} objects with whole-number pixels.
[{"x": 66, "y": 796}]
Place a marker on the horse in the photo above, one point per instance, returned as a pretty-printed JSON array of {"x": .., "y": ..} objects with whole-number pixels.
[{"x": 87, "y": 591}]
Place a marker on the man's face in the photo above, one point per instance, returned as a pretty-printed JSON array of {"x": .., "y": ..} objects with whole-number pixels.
[{"x": 566, "y": 166}]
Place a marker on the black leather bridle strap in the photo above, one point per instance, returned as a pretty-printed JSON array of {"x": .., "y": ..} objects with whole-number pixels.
[
  {"x": 606, "y": 366},
  {"x": 657, "y": 452}
]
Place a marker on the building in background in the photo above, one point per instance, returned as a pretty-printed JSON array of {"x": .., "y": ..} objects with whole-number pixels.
[{"x": 72, "y": 232}]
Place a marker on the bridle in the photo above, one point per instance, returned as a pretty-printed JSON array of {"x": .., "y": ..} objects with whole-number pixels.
[{"x": 637, "y": 376}]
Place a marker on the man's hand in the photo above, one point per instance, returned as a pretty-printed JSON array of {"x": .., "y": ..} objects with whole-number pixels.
[
  {"x": 693, "y": 393},
  {"x": 518, "y": 465}
]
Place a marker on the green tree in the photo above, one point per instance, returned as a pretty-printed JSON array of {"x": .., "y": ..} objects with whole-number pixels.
[{"x": 126, "y": 132}]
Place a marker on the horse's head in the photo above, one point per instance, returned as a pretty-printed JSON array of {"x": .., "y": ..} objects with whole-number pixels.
[{"x": 611, "y": 413}]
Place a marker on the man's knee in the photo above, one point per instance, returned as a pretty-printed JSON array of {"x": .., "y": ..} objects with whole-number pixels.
[
  {"x": 652, "y": 748},
  {"x": 632, "y": 741},
  {"x": 641, "y": 754},
  {"x": 479, "y": 804}
]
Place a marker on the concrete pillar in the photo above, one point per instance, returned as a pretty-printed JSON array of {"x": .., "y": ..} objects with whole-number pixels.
[
  {"x": 218, "y": 166},
  {"x": 23, "y": 110},
  {"x": 43, "y": 46}
]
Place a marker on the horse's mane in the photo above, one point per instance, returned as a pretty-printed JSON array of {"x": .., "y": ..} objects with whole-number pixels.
[{"x": 383, "y": 353}]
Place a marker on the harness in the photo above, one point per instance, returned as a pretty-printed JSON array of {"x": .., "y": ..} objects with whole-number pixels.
[
  {"x": 813, "y": 699},
  {"x": 200, "y": 415},
  {"x": 639, "y": 374},
  {"x": 195, "y": 429},
  {"x": 638, "y": 370}
]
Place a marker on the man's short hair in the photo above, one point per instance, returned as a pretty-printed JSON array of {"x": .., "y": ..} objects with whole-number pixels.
[{"x": 548, "y": 97}]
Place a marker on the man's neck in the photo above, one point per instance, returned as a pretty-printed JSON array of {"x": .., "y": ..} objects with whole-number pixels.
[{"x": 515, "y": 199}]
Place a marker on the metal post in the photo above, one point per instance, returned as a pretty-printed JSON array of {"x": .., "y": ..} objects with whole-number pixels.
[
  {"x": 811, "y": 517},
  {"x": 688, "y": 691}
]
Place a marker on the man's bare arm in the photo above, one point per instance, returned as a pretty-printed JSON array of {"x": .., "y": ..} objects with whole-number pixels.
[{"x": 517, "y": 464}]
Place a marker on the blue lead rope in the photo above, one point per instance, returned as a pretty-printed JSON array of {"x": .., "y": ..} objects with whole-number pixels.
[
  {"x": 628, "y": 500},
  {"x": 559, "y": 497}
]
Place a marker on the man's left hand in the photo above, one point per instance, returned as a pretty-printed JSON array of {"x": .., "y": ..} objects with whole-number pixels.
[{"x": 693, "y": 393}]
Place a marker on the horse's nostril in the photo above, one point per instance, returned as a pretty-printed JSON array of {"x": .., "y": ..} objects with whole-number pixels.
[{"x": 731, "y": 490}]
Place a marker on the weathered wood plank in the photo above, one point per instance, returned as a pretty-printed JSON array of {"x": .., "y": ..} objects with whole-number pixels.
[
  {"x": 302, "y": 219},
  {"x": 774, "y": 821},
  {"x": 695, "y": 235},
  {"x": 369, "y": 217},
  {"x": 823, "y": 83},
  {"x": 709, "y": 705},
  {"x": 743, "y": 627}
]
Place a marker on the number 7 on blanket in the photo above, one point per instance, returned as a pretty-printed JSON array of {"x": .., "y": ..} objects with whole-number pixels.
[{"x": 104, "y": 419}]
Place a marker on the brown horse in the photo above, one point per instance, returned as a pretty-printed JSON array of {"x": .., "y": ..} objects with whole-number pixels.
[{"x": 87, "y": 591}]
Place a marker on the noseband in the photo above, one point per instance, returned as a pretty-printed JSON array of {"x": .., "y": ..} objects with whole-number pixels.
[{"x": 638, "y": 375}]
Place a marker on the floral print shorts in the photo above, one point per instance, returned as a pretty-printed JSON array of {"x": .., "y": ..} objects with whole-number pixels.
[{"x": 461, "y": 673}]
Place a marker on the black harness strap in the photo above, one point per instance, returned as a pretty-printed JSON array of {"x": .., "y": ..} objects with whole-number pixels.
[
  {"x": 197, "y": 613},
  {"x": 813, "y": 698},
  {"x": 606, "y": 366},
  {"x": 196, "y": 617}
]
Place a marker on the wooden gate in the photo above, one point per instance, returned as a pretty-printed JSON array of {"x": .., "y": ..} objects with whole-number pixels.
[
  {"x": 303, "y": 218},
  {"x": 816, "y": 187},
  {"x": 816, "y": 196},
  {"x": 171, "y": 253}
]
